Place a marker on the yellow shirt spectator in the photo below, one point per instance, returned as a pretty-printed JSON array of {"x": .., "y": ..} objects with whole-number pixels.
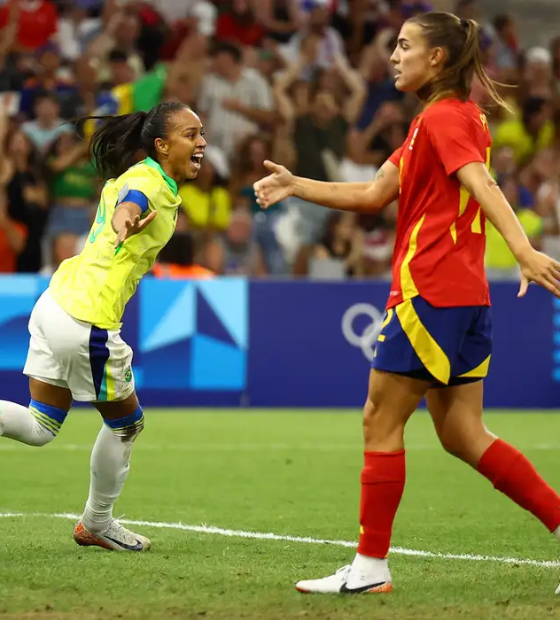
[
  {"x": 498, "y": 255},
  {"x": 529, "y": 133},
  {"x": 211, "y": 209}
]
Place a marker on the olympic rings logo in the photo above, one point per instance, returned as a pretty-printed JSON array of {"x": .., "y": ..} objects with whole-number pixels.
[{"x": 367, "y": 339}]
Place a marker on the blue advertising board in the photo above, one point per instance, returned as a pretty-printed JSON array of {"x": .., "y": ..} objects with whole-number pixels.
[{"x": 292, "y": 343}]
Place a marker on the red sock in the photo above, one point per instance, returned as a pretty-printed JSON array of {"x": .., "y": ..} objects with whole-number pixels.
[
  {"x": 382, "y": 480},
  {"x": 511, "y": 473}
]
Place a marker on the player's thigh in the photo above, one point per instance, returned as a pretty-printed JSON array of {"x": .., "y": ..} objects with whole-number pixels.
[
  {"x": 391, "y": 400},
  {"x": 46, "y": 369},
  {"x": 101, "y": 370},
  {"x": 51, "y": 395},
  {"x": 111, "y": 362},
  {"x": 457, "y": 414},
  {"x": 116, "y": 410}
]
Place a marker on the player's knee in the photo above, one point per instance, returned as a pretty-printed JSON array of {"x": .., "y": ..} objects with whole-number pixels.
[
  {"x": 39, "y": 437},
  {"x": 129, "y": 427},
  {"x": 452, "y": 444},
  {"x": 379, "y": 425},
  {"x": 463, "y": 442},
  {"x": 47, "y": 422}
]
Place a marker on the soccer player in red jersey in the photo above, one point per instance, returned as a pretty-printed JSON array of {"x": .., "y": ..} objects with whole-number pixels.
[{"x": 436, "y": 337}]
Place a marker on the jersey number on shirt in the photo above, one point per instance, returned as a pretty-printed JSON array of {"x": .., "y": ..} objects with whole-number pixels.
[
  {"x": 99, "y": 220},
  {"x": 476, "y": 226}
]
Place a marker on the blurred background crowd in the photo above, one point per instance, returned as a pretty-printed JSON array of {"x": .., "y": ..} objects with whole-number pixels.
[{"x": 306, "y": 83}]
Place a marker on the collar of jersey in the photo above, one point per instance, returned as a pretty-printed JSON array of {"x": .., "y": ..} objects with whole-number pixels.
[{"x": 171, "y": 182}]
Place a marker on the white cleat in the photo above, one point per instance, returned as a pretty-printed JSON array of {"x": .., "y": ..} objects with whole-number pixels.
[
  {"x": 345, "y": 581},
  {"x": 557, "y": 590},
  {"x": 115, "y": 538}
]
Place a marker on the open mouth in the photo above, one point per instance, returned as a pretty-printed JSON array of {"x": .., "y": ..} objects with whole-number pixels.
[{"x": 196, "y": 160}]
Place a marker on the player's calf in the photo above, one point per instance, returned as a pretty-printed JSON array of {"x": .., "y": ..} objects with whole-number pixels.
[
  {"x": 35, "y": 425},
  {"x": 110, "y": 464}
]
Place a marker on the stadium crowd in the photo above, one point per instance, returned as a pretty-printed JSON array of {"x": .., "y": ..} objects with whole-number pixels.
[{"x": 306, "y": 83}]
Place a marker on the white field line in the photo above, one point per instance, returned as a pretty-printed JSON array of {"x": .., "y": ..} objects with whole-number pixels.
[
  {"x": 9, "y": 446},
  {"x": 217, "y": 531}
]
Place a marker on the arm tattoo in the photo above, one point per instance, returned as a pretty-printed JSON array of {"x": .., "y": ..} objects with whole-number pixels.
[{"x": 380, "y": 174}]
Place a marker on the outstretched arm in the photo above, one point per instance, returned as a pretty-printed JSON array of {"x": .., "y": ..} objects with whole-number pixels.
[
  {"x": 535, "y": 266},
  {"x": 358, "y": 197},
  {"x": 126, "y": 221}
]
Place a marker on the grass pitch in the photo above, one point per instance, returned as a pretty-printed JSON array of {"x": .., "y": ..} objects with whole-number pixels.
[{"x": 291, "y": 473}]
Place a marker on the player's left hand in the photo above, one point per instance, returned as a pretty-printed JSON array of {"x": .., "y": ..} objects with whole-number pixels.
[
  {"x": 543, "y": 270},
  {"x": 133, "y": 226}
]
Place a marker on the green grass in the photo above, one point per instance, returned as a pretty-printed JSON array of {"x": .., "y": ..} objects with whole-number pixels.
[{"x": 292, "y": 473}]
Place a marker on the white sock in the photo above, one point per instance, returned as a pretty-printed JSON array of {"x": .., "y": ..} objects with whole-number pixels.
[
  {"x": 375, "y": 568},
  {"x": 557, "y": 532},
  {"x": 34, "y": 426},
  {"x": 110, "y": 463}
]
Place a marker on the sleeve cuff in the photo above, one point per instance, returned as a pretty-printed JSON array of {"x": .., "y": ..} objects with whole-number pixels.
[{"x": 138, "y": 198}]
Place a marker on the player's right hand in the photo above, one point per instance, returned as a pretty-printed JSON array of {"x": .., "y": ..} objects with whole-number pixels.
[
  {"x": 542, "y": 270},
  {"x": 275, "y": 187},
  {"x": 132, "y": 226}
]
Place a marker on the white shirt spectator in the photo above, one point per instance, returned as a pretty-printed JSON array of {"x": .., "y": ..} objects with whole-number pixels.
[
  {"x": 225, "y": 128},
  {"x": 43, "y": 137},
  {"x": 203, "y": 10},
  {"x": 330, "y": 46}
]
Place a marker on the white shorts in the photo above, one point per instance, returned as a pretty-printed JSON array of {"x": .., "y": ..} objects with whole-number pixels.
[{"x": 94, "y": 364}]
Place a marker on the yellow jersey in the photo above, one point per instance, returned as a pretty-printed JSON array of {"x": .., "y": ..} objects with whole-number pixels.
[{"x": 96, "y": 285}]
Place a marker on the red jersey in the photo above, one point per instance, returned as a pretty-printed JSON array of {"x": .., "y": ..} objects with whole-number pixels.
[
  {"x": 440, "y": 242},
  {"x": 35, "y": 26}
]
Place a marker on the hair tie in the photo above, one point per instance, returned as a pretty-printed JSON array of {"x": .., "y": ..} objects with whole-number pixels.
[{"x": 464, "y": 24}]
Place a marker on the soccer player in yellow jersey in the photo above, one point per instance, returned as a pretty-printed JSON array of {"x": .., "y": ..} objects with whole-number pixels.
[{"x": 75, "y": 350}]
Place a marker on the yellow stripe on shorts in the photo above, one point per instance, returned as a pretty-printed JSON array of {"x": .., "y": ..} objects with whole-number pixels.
[{"x": 428, "y": 350}]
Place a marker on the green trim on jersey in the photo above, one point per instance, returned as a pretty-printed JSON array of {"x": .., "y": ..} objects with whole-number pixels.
[
  {"x": 95, "y": 286},
  {"x": 171, "y": 182}
]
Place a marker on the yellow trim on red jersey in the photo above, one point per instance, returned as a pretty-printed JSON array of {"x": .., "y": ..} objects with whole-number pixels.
[
  {"x": 476, "y": 226},
  {"x": 408, "y": 287}
]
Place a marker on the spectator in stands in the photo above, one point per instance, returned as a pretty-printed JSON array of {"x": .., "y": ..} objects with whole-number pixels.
[
  {"x": 537, "y": 78},
  {"x": 37, "y": 22},
  {"x": 48, "y": 80},
  {"x": 320, "y": 122},
  {"x": 529, "y": 134},
  {"x": 378, "y": 240},
  {"x": 371, "y": 147},
  {"x": 555, "y": 53},
  {"x": 64, "y": 245},
  {"x": 236, "y": 252},
  {"x": 73, "y": 186},
  {"x": 177, "y": 260},
  {"x": 337, "y": 254},
  {"x": 380, "y": 84},
  {"x": 281, "y": 18},
  {"x": 500, "y": 262},
  {"x": 122, "y": 33},
  {"x": 119, "y": 68},
  {"x": 12, "y": 236},
  {"x": 76, "y": 30},
  {"x": 28, "y": 201},
  {"x": 48, "y": 126},
  {"x": 239, "y": 24},
  {"x": 329, "y": 42},
  {"x": 248, "y": 169},
  {"x": 205, "y": 200},
  {"x": 236, "y": 101},
  {"x": 506, "y": 42}
]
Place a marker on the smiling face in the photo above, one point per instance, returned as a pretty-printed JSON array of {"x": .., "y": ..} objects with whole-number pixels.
[
  {"x": 415, "y": 63},
  {"x": 181, "y": 152}
]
